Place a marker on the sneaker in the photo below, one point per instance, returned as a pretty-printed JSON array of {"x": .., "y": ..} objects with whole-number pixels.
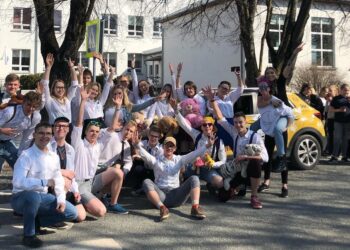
[
  {"x": 32, "y": 241},
  {"x": 164, "y": 213},
  {"x": 333, "y": 160},
  {"x": 263, "y": 188},
  {"x": 197, "y": 212},
  {"x": 284, "y": 192},
  {"x": 117, "y": 209},
  {"x": 255, "y": 203},
  {"x": 280, "y": 164},
  {"x": 61, "y": 226}
]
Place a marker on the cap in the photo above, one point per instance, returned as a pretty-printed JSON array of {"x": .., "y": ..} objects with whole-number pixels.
[
  {"x": 170, "y": 139},
  {"x": 61, "y": 119}
]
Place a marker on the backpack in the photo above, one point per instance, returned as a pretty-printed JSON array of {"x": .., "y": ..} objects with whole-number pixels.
[
  {"x": 14, "y": 105},
  {"x": 215, "y": 148}
]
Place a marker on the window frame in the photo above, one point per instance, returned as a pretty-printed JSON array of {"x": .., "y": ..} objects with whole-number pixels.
[
  {"x": 279, "y": 31},
  {"x": 157, "y": 30},
  {"x": 134, "y": 32},
  {"x": 107, "y": 56},
  {"x": 321, "y": 33},
  {"x": 21, "y": 25},
  {"x": 20, "y": 66},
  {"x": 107, "y": 22}
]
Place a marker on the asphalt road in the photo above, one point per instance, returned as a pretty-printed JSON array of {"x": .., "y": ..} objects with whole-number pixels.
[{"x": 315, "y": 216}]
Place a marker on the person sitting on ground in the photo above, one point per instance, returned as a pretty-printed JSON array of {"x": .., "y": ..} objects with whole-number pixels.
[
  {"x": 140, "y": 169},
  {"x": 37, "y": 170},
  {"x": 241, "y": 137},
  {"x": 16, "y": 120},
  {"x": 166, "y": 191},
  {"x": 88, "y": 153},
  {"x": 66, "y": 155},
  {"x": 209, "y": 173}
]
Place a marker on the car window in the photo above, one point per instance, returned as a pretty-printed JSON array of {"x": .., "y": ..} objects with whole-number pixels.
[{"x": 245, "y": 105}]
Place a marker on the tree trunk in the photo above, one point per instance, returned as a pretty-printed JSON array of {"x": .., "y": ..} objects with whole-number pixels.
[
  {"x": 74, "y": 34},
  {"x": 246, "y": 11}
]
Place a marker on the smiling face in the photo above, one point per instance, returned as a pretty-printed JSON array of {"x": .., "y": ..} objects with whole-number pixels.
[
  {"x": 42, "y": 137},
  {"x": 12, "y": 87},
  {"x": 94, "y": 91},
  {"x": 129, "y": 131},
  {"x": 270, "y": 74},
  {"x": 240, "y": 124},
  {"x": 169, "y": 149},
  {"x": 207, "y": 128},
  {"x": 144, "y": 88},
  {"x": 223, "y": 89},
  {"x": 124, "y": 81},
  {"x": 60, "y": 130},
  {"x": 87, "y": 79},
  {"x": 167, "y": 90},
  {"x": 59, "y": 89}
]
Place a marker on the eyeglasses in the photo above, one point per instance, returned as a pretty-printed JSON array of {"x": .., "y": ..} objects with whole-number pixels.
[
  {"x": 57, "y": 87},
  {"x": 207, "y": 124},
  {"x": 44, "y": 133},
  {"x": 124, "y": 81},
  {"x": 154, "y": 136},
  {"x": 61, "y": 126}
]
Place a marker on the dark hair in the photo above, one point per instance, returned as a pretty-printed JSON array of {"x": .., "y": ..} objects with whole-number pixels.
[
  {"x": 268, "y": 68},
  {"x": 11, "y": 77},
  {"x": 239, "y": 114},
  {"x": 344, "y": 85},
  {"x": 150, "y": 88},
  {"x": 225, "y": 82},
  {"x": 61, "y": 119},
  {"x": 171, "y": 90},
  {"x": 87, "y": 72},
  {"x": 33, "y": 98},
  {"x": 155, "y": 128},
  {"x": 190, "y": 84},
  {"x": 305, "y": 86},
  {"x": 42, "y": 125}
]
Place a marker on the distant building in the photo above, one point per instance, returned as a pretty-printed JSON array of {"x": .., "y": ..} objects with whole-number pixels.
[{"x": 208, "y": 60}]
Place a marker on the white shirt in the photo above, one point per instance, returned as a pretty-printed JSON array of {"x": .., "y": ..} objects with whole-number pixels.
[
  {"x": 94, "y": 108},
  {"x": 54, "y": 107},
  {"x": 244, "y": 140},
  {"x": 226, "y": 105},
  {"x": 156, "y": 151},
  {"x": 112, "y": 148},
  {"x": 86, "y": 155},
  {"x": 270, "y": 115},
  {"x": 24, "y": 125},
  {"x": 70, "y": 157},
  {"x": 166, "y": 172},
  {"x": 34, "y": 168},
  {"x": 194, "y": 133}
]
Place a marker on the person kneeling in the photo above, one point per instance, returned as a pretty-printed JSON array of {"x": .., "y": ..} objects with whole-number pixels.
[{"x": 166, "y": 191}]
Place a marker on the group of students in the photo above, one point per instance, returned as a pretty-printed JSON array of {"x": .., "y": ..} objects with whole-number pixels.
[{"x": 76, "y": 162}]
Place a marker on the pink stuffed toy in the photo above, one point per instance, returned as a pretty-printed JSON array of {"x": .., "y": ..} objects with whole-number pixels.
[{"x": 190, "y": 110}]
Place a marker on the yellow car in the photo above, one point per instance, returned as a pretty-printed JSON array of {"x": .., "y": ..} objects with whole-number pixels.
[{"x": 306, "y": 137}]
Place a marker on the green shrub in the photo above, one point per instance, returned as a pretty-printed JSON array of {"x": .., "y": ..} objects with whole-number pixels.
[{"x": 29, "y": 81}]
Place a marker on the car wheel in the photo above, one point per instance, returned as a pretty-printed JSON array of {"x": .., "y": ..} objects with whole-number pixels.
[{"x": 306, "y": 152}]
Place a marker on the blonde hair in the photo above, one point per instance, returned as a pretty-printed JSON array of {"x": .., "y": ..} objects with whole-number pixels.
[
  {"x": 126, "y": 103},
  {"x": 98, "y": 86}
]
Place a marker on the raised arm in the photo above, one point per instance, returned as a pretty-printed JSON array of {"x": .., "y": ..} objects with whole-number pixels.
[
  {"x": 236, "y": 94},
  {"x": 117, "y": 100},
  {"x": 207, "y": 91},
  {"x": 146, "y": 104},
  {"x": 147, "y": 157},
  {"x": 107, "y": 86},
  {"x": 74, "y": 83},
  {"x": 173, "y": 80},
  {"x": 84, "y": 96},
  {"x": 135, "y": 81},
  {"x": 46, "y": 78}
]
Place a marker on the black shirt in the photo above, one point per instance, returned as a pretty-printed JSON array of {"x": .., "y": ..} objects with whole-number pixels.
[
  {"x": 61, "y": 151},
  {"x": 338, "y": 102}
]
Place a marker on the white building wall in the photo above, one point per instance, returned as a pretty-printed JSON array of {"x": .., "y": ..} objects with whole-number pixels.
[{"x": 208, "y": 60}]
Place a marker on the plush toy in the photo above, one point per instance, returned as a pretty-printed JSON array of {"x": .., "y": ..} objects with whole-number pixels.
[
  {"x": 190, "y": 110},
  {"x": 208, "y": 161},
  {"x": 168, "y": 126},
  {"x": 231, "y": 168}
]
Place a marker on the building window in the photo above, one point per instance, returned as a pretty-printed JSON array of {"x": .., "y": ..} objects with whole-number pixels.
[
  {"x": 135, "y": 26},
  {"x": 111, "y": 58},
  {"x": 157, "y": 28},
  {"x": 110, "y": 24},
  {"x": 57, "y": 20},
  {"x": 138, "y": 61},
  {"x": 22, "y": 18},
  {"x": 83, "y": 60},
  {"x": 20, "y": 59},
  {"x": 322, "y": 41},
  {"x": 276, "y": 31},
  {"x": 156, "y": 70},
  {"x": 151, "y": 70}
]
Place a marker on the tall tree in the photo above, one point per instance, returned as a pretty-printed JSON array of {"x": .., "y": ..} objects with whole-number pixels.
[{"x": 74, "y": 35}]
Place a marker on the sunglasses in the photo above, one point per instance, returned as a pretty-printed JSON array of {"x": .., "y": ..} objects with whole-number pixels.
[
  {"x": 207, "y": 124},
  {"x": 94, "y": 123}
]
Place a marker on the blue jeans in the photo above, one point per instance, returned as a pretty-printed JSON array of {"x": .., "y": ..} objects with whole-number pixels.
[
  {"x": 8, "y": 152},
  {"x": 40, "y": 206},
  {"x": 205, "y": 174},
  {"x": 280, "y": 127}
]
